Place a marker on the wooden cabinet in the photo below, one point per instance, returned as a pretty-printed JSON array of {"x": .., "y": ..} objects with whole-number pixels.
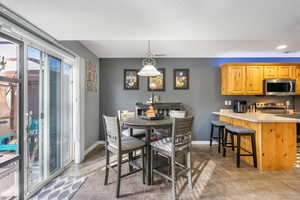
[
  {"x": 234, "y": 78},
  {"x": 297, "y": 77},
  {"x": 285, "y": 72},
  {"x": 254, "y": 80},
  {"x": 270, "y": 72},
  {"x": 247, "y": 78},
  {"x": 224, "y": 80}
]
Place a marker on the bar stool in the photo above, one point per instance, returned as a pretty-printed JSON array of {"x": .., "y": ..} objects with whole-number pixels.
[
  {"x": 240, "y": 131},
  {"x": 220, "y": 125}
]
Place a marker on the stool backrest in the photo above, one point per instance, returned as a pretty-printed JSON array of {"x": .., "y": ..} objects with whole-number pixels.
[
  {"x": 112, "y": 131},
  {"x": 182, "y": 132}
]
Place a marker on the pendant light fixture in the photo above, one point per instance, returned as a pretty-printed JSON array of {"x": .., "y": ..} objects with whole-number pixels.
[{"x": 149, "y": 64}]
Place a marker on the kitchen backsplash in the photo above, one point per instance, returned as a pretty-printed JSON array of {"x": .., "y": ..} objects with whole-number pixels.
[{"x": 294, "y": 101}]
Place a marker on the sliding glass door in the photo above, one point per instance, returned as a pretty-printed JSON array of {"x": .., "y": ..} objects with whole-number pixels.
[
  {"x": 11, "y": 116},
  {"x": 35, "y": 110},
  {"x": 54, "y": 99},
  {"x": 49, "y": 117},
  {"x": 67, "y": 107}
]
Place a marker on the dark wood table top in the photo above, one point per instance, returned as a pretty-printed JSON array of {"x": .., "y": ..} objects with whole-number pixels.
[{"x": 138, "y": 122}]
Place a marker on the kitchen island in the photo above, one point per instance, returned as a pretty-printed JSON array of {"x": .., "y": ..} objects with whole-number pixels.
[{"x": 275, "y": 138}]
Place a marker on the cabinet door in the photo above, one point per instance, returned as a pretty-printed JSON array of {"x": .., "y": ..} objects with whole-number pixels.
[
  {"x": 224, "y": 80},
  {"x": 284, "y": 72},
  {"x": 270, "y": 72},
  {"x": 297, "y": 76},
  {"x": 254, "y": 80},
  {"x": 236, "y": 80}
]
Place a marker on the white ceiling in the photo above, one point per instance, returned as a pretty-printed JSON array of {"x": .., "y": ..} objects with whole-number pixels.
[
  {"x": 191, "y": 48},
  {"x": 214, "y": 27}
]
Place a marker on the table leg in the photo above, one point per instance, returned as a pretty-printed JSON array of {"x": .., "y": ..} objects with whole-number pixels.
[{"x": 148, "y": 157}]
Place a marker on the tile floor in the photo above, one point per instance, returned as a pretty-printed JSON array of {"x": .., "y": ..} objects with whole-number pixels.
[{"x": 214, "y": 178}]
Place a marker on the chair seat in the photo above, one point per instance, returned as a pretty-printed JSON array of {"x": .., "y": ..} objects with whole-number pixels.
[
  {"x": 238, "y": 129},
  {"x": 129, "y": 143},
  {"x": 218, "y": 123},
  {"x": 135, "y": 132},
  {"x": 165, "y": 145},
  {"x": 162, "y": 132}
]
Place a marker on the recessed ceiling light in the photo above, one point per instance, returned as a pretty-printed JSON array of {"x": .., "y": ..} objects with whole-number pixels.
[{"x": 281, "y": 46}]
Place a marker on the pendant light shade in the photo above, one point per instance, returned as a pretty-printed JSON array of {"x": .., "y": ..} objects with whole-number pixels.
[
  {"x": 149, "y": 65},
  {"x": 149, "y": 70}
]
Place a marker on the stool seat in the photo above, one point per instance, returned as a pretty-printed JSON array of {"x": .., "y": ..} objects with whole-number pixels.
[
  {"x": 238, "y": 129},
  {"x": 218, "y": 123}
]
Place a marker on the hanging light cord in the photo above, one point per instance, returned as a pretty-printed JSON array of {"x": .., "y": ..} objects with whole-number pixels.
[{"x": 149, "y": 54}]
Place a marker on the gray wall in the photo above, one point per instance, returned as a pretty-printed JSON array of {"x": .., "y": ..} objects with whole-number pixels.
[
  {"x": 201, "y": 99},
  {"x": 92, "y": 99}
]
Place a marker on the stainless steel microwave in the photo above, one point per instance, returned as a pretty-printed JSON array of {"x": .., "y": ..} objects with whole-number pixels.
[{"x": 280, "y": 87}]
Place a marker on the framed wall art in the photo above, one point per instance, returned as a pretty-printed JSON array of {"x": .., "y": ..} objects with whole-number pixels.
[
  {"x": 181, "y": 79},
  {"x": 91, "y": 76},
  {"x": 157, "y": 83},
  {"x": 131, "y": 79}
]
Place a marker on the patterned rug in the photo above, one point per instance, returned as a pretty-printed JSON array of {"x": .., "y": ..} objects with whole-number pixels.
[{"x": 61, "y": 188}]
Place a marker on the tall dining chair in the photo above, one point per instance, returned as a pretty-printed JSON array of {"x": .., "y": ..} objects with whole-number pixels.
[
  {"x": 120, "y": 145},
  {"x": 173, "y": 147},
  {"x": 124, "y": 115},
  {"x": 172, "y": 113}
]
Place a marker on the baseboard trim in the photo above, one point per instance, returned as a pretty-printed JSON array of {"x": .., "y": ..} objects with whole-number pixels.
[{"x": 92, "y": 147}]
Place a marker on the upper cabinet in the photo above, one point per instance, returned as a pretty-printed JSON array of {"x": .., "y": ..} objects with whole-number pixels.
[
  {"x": 254, "y": 79},
  {"x": 247, "y": 78},
  {"x": 236, "y": 80},
  {"x": 285, "y": 72},
  {"x": 270, "y": 72},
  {"x": 297, "y": 77}
]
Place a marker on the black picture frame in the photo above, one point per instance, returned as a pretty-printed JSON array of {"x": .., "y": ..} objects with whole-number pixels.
[
  {"x": 185, "y": 75},
  {"x": 129, "y": 76},
  {"x": 163, "y": 88}
]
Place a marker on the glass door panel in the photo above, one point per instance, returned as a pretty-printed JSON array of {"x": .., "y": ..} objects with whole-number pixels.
[
  {"x": 54, "y": 65},
  {"x": 35, "y": 74},
  {"x": 67, "y": 114},
  {"x": 8, "y": 59},
  {"x": 9, "y": 118}
]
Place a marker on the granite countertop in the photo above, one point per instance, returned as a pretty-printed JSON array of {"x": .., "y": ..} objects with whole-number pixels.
[{"x": 257, "y": 117}]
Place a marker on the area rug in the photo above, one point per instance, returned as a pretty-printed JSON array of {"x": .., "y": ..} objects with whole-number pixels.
[{"x": 61, "y": 188}]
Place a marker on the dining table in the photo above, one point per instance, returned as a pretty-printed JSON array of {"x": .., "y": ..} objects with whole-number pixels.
[{"x": 149, "y": 126}]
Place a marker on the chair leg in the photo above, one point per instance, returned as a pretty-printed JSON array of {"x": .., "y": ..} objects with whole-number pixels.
[
  {"x": 106, "y": 167},
  {"x": 169, "y": 166},
  {"x": 152, "y": 165},
  {"x": 232, "y": 142},
  {"x": 211, "y": 135},
  {"x": 119, "y": 174},
  {"x": 225, "y": 142},
  {"x": 143, "y": 164},
  {"x": 254, "y": 150},
  {"x": 238, "y": 156},
  {"x": 130, "y": 158},
  {"x": 219, "y": 140},
  {"x": 189, "y": 166},
  {"x": 173, "y": 177},
  {"x": 130, "y": 154}
]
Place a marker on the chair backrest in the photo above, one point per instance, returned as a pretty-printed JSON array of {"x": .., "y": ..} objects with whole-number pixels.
[
  {"x": 177, "y": 113},
  {"x": 124, "y": 115},
  {"x": 182, "y": 132},
  {"x": 112, "y": 131}
]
